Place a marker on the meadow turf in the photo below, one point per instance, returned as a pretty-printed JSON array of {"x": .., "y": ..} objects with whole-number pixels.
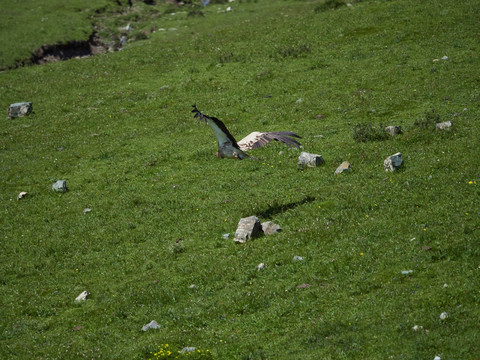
[{"x": 118, "y": 128}]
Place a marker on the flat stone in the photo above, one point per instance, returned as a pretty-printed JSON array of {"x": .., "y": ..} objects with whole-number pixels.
[
  {"x": 60, "y": 186},
  {"x": 248, "y": 228},
  {"x": 393, "y": 162},
  {"x": 344, "y": 167},
  {"x": 309, "y": 160},
  {"x": 151, "y": 325},
  {"x": 270, "y": 227},
  {"x": 443, "y": 125},
  {"x": 21, "y": 195},
  {"x": 20, "y": 109}
]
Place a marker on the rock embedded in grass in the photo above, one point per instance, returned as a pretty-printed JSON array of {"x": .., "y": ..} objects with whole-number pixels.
[
  {"x": 344, "y": 167},
  {"x": 446, "y": 125},
  {"x": 151, "y": 325},
  {"x": 82, "y": 296},
  {"x": 247, "y": 229},
  {"x": 270, "y": 227},
  {"x": 60, "y": 186},
  {"x": 20, "y": 109},
  {"x": 393, "y": 162},
  {"x": 393, "y": 130},
  {"x": 21, "y": 195},
  {"x": 188, "y": 349},
  {"x": 309, "y": 160}
]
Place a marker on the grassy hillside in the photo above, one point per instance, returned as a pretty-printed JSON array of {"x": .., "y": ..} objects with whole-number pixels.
[{"x": 118, "y": 128}]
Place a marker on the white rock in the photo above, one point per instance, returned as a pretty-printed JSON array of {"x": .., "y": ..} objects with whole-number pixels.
[
  {"x": 60, "y": 186},
  {"x": 261, "y": 266},
  {"x": 443, "y": 125},
  {"x": 443, "y": 315},
  {"x": 437, "y": 357},
  {"x": 193, "y": 286},
  {"x": 393, "y": 162},
  {"x": 297, "y": 258},
  {"x": 151, "y": 325},
  {"x": 87, "y": 210},
  {"x": 416, "y": 328},
  {"x": 393, "y": 130},
  {"x": 407, "y": 272},
  {"x": 82, "y": 296},
  {"x": 229, "y": 8},
  {"x": 188, "y": 349},
  {"x": 21, "y": 195},
  {"x": 19, "y": 109}
]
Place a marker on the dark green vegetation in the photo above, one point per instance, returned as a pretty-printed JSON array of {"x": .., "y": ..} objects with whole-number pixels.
[{"x": 118, "y": 128}]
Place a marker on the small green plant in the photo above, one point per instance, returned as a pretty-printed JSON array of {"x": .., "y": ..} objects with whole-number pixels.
[
  {"x": 428, "y": 121},
  {"x": 329, "y": 4},
  {"x": 369, "y": 132},
  {"x": 295, "y": 51}
]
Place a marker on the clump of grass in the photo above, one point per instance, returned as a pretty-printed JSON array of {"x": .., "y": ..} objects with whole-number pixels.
[
  {"x": 428, "y": 121},
  {"x": 369, "y": 132},
  {"x": 295, "y": 51},
  {"x": 329, "y": 4}
]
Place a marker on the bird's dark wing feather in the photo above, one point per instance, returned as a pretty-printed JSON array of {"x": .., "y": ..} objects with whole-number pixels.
[{"x": 220, "y": 130}]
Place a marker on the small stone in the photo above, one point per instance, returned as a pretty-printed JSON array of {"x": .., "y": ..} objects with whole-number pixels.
[
  {"x": 248, "y": 228},
  {"x": 87, "y": 210},
  {"x": 437, "y": 357},
  {"x": 225, "y": 236},
  {"x": 309, "y": 160},
  {"x": 407, "y": 272},
  {"x": 188, "y": 349},
  {"x": 21, "y": 195},
  {"x": 445, "y": 285},
  {"x": 303, "y": 286},
  {"x": 60, "y": 186},
  {"x": 193, "y": 286},
  {"x": 443, "y": 315},
  {"x": 416, "y": 328},
  {"x": 151, "y": 325},
  {"x": 20, "y": 109},
  {"x": 261, "y": 266},
  {"x": 443, "y": 125},
  {"x": 393, "y": 162},
  {"x": 297, "y": 258},
  {"x": 344, "y": 167},
  {"x": 270, "y": 227},
  {"x": 393, "y": 130},
  {"x": 82, "y": 296}
]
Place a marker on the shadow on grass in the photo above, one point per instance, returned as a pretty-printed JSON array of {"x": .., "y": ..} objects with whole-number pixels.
[{"x": 275, "y": 209}]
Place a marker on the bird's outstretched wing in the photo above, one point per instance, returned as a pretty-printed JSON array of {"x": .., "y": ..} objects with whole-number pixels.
[
  {"x": 219, "y": 129},
  {"x": 257, "y": 139}
]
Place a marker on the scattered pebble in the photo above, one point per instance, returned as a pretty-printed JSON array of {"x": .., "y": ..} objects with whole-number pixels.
[
  {"x": 193, "y": 286},
  {"x": 437, "y": 357},
  {"x": 60, "y": 186},
  {"x": 407, "y": 272},
  {"x": 303, "y": 286},
  {"x": 188, "y": 349},
  {"x": 297, "y": 258},
  {"x": 87, "y": 210},
  {"x": 443, "y": 315},
  {"x": 82, "y": 296},
  {"x": 151, "y": 325},
  {"x": 21, "y": 195},
  {"x": 225, "y": 236},
  {"x": 416, "y": 328},
  {"x": 445, "y": 285},
  {"x": 261, "y": 266}
]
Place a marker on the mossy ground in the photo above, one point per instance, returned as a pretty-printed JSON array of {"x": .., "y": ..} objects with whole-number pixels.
[{"x": 118, "y": 128}]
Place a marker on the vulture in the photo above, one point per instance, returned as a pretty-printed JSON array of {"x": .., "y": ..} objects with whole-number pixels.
[{"x": 229, "y": 148}]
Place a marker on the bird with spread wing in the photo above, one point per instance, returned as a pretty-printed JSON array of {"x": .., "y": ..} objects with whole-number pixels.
[{"x": 229, "y": 148}]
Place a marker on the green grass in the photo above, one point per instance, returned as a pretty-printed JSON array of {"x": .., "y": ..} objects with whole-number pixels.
[{"x": 118, "y": 128}]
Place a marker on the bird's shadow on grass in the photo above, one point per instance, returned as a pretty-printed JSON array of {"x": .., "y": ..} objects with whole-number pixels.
[{"x": 275, "y": 209}]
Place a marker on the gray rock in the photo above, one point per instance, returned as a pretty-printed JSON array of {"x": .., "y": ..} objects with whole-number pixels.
[
  {"x": 151, "y": 325},
  {"x": 393, "y": 162},
  {"x": 20, "y": 109},
  {"x": 297, "y": 258},
  {"x": 188, "y": 349},
  {"x": 309, "y": 160},
  {"x": 60, "y": 186},
  {"x": 393, "y": 130},
  {"x": 270, "y": 227},
  {"x": 261, "y": 266},
  {"x": 344, "y": 167},
  {"x": 446, "y": 125},
  {"x": 248, "y": 228},
  {"x": 87, "y": 210},
  {"x": 22, "y": 195}
]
